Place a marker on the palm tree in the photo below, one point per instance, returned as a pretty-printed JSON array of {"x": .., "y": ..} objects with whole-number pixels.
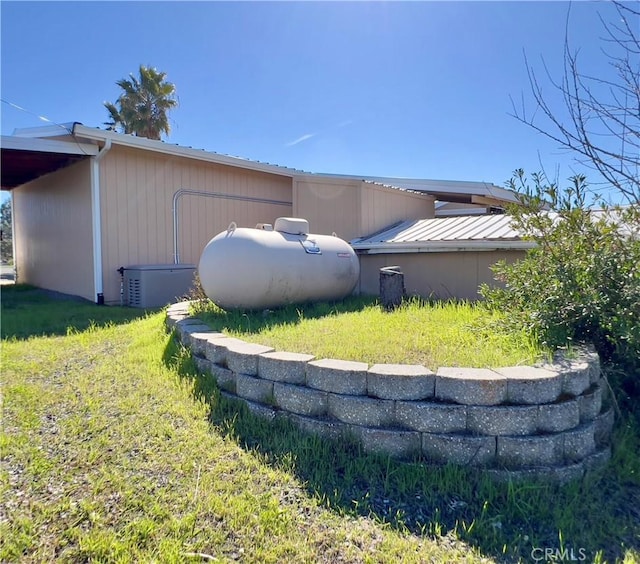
[{"x": 142, "y": 107}]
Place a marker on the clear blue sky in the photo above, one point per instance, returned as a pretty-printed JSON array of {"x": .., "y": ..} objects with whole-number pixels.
[{"x": 418, "y": 89}]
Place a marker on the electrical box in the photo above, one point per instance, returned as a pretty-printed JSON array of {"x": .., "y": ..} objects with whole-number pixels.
[{"x": 156, "y": 285}]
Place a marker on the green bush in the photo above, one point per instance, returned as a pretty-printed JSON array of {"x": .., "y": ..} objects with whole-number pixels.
[{"x": 581, "y": 283}]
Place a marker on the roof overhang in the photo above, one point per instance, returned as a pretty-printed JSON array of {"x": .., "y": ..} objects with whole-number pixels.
[
  {"x": 24, "y": 159},
  {"x": 83, "y": 132}
]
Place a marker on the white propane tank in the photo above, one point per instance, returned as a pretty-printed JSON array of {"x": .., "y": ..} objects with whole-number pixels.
[{"x": 269, "y": 267}]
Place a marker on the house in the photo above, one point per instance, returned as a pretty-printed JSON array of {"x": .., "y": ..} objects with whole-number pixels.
[{"x": 88, "y": 202}]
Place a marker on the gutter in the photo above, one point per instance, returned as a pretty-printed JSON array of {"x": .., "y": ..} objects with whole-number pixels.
[
  {"x": 441, "y": 247},
  {"x": 96, "y": 222}
]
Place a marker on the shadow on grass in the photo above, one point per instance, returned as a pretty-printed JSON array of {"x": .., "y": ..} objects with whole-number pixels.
[
  {"x": 27, "y": 311},
  {"x": 598, "y": 514},
  {"x": 255, "y": 321}
]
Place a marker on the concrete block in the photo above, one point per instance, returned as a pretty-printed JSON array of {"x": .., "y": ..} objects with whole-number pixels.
[
  {"x": 546, "y": 474},
  {"x": 590, "y": 403},
  {"x": 464, "y": 450},
  {"x": 590, "y": 356},
  {"x": 576, "y": 378},
  {"x": 532, "y": 385},
  {"x": 216, "y": 349},
  {"x": 337, "y": 376},
  {"x": 198, "y": 341},
  {"x": 203, "y": 364},
  {"x": 470, "y": 386},
  {"x": 261, "y": 410},
  {"x": 604, "y": 427},
  {"x": 598, "y": 459},
  {"x": 521, "y": 452},
  {"x": 359, "y": 410},
  {"x": 300, "y": 399},
  {"x": 502, "y": 420},
  {"x": 282, "y": 366},
  {"x": 225, "y": 378},
  {"x": 172, "y": 319},
  {"x": 579, "y": 443},
  {"x": 188, "y": 321},
  {"x": 324, "y": 428},
  {"x": 556, "y": 417},
  {"x": 397, "y": 444},
  {"x": 400, "y": 382},
  {"x": 254, "y": 389},
  {"x": 179, "y": 307},
  {"x": 187, "y": 326},
  {"x": 243, "y": 357},
  {"x": 431, "y": 417}
]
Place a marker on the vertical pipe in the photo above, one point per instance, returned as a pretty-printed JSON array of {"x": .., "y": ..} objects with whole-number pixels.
[
  {"x": 13, "y": 241},
  {"x": 96, "y": 223}
]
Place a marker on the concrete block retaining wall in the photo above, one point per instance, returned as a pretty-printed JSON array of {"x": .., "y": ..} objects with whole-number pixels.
[{"x": 546, "y": 421}]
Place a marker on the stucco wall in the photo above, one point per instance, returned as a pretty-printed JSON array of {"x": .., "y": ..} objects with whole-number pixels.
[
  {"x": 443, "y": 275},
  {"x": 137, "y": 189},
  {"x": 52, "y": 230}
]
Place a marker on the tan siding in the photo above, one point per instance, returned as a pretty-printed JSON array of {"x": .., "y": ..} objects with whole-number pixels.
[
  {"x": 353, "y": 208},
  {"x": 382, "y": 207},
  {"x": 329, "y": 205},
  {"x": 54, "y": 242},
  {"x": 137, "y": 189},
  {"x": 443, "y": 275}
]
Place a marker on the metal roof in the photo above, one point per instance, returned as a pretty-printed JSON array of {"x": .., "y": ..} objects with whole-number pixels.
[
  {"x": 76, "y": 130},
  {"x": 483, "y": 232},
  {"x": 482, "y": 193},
  {"x": 458, "y": 191}
]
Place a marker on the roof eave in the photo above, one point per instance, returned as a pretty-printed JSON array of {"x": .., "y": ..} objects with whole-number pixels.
[
  {"x": 443, "y": 246},
  {"x": 95, "y": 134}
]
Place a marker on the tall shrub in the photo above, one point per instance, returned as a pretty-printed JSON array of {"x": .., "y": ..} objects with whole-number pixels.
[{"x": 581, "y": 283}]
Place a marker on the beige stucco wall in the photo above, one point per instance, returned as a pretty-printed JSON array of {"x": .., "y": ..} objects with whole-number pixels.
[
  {"x": 443, "y": 275},
  {"x": 353, "y": 208},
  {"x": 137, "y": 189},
  {"x": 52, "y": 230}
]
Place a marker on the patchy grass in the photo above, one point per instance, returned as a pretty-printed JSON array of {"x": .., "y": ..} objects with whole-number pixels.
[
  {"x": 419, "y": 332},
  {"x": 29, "y": 311},
  {"x": 114, "y": 449}
]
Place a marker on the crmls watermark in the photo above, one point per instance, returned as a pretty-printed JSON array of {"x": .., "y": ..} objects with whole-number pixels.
[{"x": 559, "y": 554}]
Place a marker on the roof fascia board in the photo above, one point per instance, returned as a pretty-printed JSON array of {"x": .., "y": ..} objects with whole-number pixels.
[
  {"x": 176, "y": 150},
  {"x": 47, "y": 146},
  {"x": 442, "y": 247},
  {"x": 464, "y": 187}
]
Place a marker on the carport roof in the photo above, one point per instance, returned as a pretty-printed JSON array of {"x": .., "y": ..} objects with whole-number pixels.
[{"x": 24, "y": 159}]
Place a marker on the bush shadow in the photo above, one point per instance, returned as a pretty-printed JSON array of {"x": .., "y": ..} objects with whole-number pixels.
[
  {"x": 505, "y": 521},
  {"x": 28, "y": 311}
]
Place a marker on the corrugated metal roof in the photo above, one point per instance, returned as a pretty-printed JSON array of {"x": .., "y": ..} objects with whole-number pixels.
[
  {"x": 446, "y": 233},
  {"x": 462, "y": 228}
]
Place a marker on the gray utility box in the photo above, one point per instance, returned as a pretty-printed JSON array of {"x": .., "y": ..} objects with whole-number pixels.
[{"x": 156, "y": 285}]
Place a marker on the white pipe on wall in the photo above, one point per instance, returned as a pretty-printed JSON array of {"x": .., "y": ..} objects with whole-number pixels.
[
  {"x": 96, "y": 222},
  {"x": 187, "y": 192}
]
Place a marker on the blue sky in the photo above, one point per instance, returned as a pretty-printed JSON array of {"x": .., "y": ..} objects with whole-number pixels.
[{"x": 415, "y": 89}]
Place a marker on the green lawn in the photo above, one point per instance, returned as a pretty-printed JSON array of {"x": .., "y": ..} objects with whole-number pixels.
[
  {"x": 115, "y": 450},
  {"x": 419, "y": 332}
]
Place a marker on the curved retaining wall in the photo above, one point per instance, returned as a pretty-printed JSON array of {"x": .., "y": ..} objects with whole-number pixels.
[{"x": 546, "y": 421}]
